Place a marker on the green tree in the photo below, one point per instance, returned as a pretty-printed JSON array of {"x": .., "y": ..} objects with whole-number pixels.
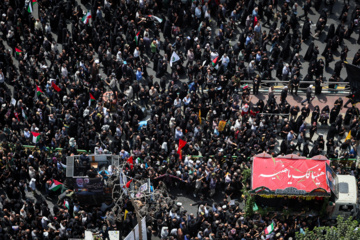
[{"x": 344, "y": 230}]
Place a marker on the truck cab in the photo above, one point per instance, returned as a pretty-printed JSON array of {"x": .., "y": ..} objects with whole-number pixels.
[{"x": 346, "y": 204}]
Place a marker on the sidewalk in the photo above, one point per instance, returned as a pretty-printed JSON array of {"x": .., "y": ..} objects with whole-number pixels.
[{"x": 321, "y": 100}]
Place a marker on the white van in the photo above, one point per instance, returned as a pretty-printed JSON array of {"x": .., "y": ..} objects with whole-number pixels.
[{"x": 346, "y": 204}]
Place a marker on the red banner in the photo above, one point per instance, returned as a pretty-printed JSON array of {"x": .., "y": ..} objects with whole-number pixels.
[{"x": 299, "y": 176}]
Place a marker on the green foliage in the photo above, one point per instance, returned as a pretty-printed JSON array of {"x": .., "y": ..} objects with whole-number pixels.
[
  {"x": 249, "y": 204},
  {"x": 344, "y": 230},
  {"x": 325, "y": 204},
  {"x": 286, "y": 212},
  {"x": 262, "y": 211},
  {"x": 246, "y": 173},
  {"x": 249, "y": 200}
]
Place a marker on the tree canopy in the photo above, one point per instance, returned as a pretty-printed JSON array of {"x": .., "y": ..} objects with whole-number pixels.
[{"x": 344, "y": 229}]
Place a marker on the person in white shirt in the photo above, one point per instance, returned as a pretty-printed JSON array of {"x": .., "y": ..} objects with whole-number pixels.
[
  {"x": 178, "y": 133},
  {"x": 107, "y": 4},
  {"x": 38, "y": 25},
  {"x": 27, "y": 133},
  {"x": 64, "y": 71},
  {"x": 47, "y": 28},
  {"x": 177, "y": 102},
  {"x": 198, "y": 12},
  {"x": 213, "y": 55},
  {"x": 187, "y": 100},
  {"x": 119, "y": 56},
  {"x": 285, "y": 72},
  {"x": 118, "y": 131},
  {"x": 225, "y": 60},
  {"x": 190, "y": 57},
  {"x": 137, "y": 53},
  {"x": 153, "y": 92}
]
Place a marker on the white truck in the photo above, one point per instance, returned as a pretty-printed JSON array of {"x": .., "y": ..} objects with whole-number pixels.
[{"x": 346, "y": 204}]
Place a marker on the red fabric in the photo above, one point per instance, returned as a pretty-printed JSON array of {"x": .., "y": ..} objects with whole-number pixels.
[
  {"x": 215, "y": 61},
  {"x": 92, "y": 97},
  {"x": 128, "y": 184},
  {"x": 17, "y": 116},
  {"x": 35, "y": 134},
  {"x": 38, "y": 89},
  {"x": 131, "y": 162},
  {"x": 280, "y": 173},
  {"x": 182, "y": 144},
  {"x": 55, "y": 86},
  {"x": 255, "y": 21},
  {"x": 252, "y": 113}
]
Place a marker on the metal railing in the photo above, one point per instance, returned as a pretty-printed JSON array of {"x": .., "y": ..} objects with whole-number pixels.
[{"x": 285, "y": 83}]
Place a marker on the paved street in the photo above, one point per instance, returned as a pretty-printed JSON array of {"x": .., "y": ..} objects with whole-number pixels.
[{"x": 321, "y": 100}]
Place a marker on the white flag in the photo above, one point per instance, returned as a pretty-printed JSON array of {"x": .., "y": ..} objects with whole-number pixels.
[
  {"x": 174, "y": 58},
  {"x": 13, "y": 102},
  {"x": 156, "y": 18}
]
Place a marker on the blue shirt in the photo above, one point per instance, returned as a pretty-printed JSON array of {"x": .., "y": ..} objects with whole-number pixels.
[
  {"x": 248, "y": 39},
  {"x": 254, "y": 13},
  {"x": 138, "y": 75}
]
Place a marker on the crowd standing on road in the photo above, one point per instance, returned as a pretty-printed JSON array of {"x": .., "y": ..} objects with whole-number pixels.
[{"x": 95, "y": 89}]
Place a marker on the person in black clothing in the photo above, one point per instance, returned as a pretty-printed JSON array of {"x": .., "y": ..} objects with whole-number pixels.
[
  {"x": 308, "y": 95},
  {"x": 256, "y": 85},
  {"x": 306, "y": 8},
  {"x": 294, "y": 84},
  {"x": 284, "y": 93}
]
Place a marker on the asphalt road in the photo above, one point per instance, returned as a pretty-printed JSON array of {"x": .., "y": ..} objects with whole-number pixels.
[{"x": 187, "y": 199}]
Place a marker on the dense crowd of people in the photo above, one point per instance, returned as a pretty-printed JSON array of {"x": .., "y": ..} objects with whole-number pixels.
[{"x": 72, "y": 83}]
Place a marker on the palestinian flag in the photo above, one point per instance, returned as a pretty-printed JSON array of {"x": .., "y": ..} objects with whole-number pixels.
[
  {"x": 215, "y": 61},
  {"x": 30, "y": 9},
  {"x": 270, "y": 228},
  {"x": 33, "y": 2},
  {"x": 131, "y": 162},
  {"x": 86, "y": 18},
  {"x": 56, "y": 185},
  {"x": 66, "y": 204},
  {"x": 91, "y": 99},
  {"x": 128, "y": 183},
  {"x": 137, "y": 38},
  {"x": 55, "y": 86},
  {"x": 38, "y": 91},
  {"x": 36, "y": 137},
  {"x": 18, "y": 51}
]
